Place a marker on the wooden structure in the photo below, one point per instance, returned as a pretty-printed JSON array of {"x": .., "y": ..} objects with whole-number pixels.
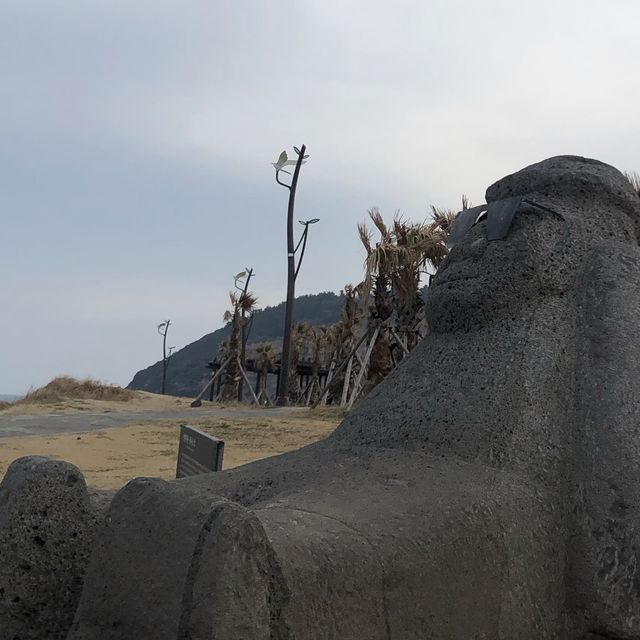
[{"x": 259, "y": 387}]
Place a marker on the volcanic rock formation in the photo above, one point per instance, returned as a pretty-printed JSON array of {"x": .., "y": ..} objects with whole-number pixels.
[
  {"x": 488, "y": 488},
  {"x": 47, "y": 524}
]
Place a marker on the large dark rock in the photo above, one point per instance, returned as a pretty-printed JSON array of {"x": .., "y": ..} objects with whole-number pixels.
[
  {"x": 47, "y": 522},
  {"x": 488, "y": 488},
  {"x": 189, "y": 541}
]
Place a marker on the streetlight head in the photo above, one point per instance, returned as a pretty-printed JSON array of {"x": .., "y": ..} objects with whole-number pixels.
[{"x": 307, "y": 222}]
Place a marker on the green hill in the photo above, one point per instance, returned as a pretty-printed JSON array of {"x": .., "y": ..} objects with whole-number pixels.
[{"x": 187, "y": 373}]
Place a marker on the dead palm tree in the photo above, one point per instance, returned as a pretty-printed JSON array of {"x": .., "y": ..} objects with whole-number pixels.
[
  {"x": 242, "y": 304},
  {"x": 341, "y": 338},
  {"x": 443, "y": 218},
  {"x": 393, "y": 269},
  {"x": 634, "y": 178},
  {"x": 394, "y": 266},
  {"x": 322, "y": 341}
]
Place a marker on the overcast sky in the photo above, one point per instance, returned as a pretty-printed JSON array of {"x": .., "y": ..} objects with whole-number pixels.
[{"x": 137, "y": 137}]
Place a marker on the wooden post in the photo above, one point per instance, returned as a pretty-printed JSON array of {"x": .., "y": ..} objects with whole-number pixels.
[
  {"x": 219, "y": 387},
  {"x": 339, "y": 369},
  {"x": 198, "y": 400},
  {"x": 347, "y": 380},
  {"x": 246, "y": 379},
  {"x": 399, "y": 341},
  {"x": 356, "y": 386},
  {"x": 327, "y": 378},
  {"x": 258, "y": 381}
]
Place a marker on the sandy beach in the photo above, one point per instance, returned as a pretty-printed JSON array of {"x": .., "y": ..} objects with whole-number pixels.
[{"x": 109, "y": 458}]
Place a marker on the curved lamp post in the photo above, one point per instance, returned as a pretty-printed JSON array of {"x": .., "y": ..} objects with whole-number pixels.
[
  {"x": 163, "y": 329},
  {"x": 292, "y": 268}
]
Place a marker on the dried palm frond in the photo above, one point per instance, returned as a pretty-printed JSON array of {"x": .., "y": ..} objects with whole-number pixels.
[
  {"x": 247, "y": 302},
  {"x": 634, "y": 178},
  {"x": 406, "y": 247},
  {"x": 265, "y": 354},
  {"x": 395, "y": 263},
  {"x": 240, "y": 302},
  {"x": 365, "y": 236},
  {"x": 443, "y": 218},
  {"x": 376, "y": 218}
]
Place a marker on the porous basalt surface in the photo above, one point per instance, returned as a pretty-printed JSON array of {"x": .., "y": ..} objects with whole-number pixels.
[
  {"x": 488, "y": 488},
  {"x": 47, "y": 522}
]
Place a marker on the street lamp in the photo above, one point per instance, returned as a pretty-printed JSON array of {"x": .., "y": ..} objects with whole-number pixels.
[
  {"x": 303, "y": 240},
  {"x": 163, "y": 329},
  {"x": 292, "y": 269}
]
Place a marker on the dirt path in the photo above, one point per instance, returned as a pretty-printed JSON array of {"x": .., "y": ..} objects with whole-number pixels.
[{"x": 58, "y": 423}]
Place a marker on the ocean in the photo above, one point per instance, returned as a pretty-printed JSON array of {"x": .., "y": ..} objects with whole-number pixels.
[{"x": 7, "y": 397}]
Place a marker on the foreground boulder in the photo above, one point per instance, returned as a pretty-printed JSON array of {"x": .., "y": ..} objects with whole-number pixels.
[
  {"x": 488, "y": 488},
  {"x": 47, "y": 523}
]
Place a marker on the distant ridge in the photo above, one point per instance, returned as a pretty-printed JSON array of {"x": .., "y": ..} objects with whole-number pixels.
[{"x": 187, "y": 373}]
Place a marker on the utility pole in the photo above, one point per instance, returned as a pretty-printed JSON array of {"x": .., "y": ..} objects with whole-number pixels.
[{"x": 292, "y": 268}]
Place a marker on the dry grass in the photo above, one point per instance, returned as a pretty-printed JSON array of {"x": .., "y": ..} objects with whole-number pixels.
[{"x": 68, "y": 388}]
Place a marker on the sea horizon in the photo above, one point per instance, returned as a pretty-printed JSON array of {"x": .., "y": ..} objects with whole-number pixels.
[{"x": 10, "y": 397}]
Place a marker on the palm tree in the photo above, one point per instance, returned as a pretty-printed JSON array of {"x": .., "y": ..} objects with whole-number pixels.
[
  {"x": 242, "y": 304},
  {"x": 322, "y": 340},
  {"x": 347, "y": 332},
  {"x": 393, "y": 269},
  {"x": 300, "y": 340},
  {"x": 265, "y": 358},
  {"x": 390, "y": 303}
]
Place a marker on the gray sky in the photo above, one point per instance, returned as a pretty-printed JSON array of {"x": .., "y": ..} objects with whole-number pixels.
[{"x": 137, "y": 137}]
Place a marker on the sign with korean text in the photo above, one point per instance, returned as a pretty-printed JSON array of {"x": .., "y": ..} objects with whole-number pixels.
[{"x": 198, "y": 452}]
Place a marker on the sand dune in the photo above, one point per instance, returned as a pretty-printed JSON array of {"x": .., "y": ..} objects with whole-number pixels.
[{"x": 141, "y": 401}]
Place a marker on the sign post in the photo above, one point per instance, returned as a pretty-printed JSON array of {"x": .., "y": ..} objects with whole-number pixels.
[{"x": 198, "y": 452}]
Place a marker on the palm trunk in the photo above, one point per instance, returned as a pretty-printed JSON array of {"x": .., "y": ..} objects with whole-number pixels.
[{"x": 233, "y": 376}]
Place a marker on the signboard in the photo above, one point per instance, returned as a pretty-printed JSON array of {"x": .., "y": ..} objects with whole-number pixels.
[{"x": 198, "y": 452}]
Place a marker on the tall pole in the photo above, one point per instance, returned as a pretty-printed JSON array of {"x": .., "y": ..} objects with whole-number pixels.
[
  {"x": 163, "y": 329},
  {"x": 283, "y": 387},
  {"x": 303, "y": 240}
]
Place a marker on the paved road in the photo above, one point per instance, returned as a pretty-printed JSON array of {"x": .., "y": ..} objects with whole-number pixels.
[{"x": 55, "y": 424}]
